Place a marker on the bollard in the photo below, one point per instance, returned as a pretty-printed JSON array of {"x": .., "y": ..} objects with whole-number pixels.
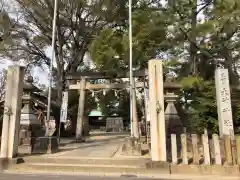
[
  {"x": 184, "y": 148},
  {"x": 228, "y": 149},
  {"x": 174, "y": 148},
  {"x": 206, "y": 149},
  {"x": 217, "y": 152},
  {"x": 195, "y": 149}
]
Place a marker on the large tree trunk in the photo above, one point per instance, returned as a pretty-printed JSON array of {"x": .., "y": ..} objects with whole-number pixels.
[
  {"x": 193, "y": 38},
  {"x": 59, "y": 88}
]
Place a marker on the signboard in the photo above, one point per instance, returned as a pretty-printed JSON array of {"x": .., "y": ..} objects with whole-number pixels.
[
  {"x": 64, "y": 107},
  {"x": 146, "y": 100},
  {"x": 223, "y": 102}
]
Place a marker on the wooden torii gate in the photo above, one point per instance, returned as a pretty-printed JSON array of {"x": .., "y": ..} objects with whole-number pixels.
[{"x": 156, "y": 101}]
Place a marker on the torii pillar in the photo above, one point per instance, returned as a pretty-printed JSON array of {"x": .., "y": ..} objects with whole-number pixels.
[
  {"x": 156, "y": 108},
  {"x": 81, "y": 121},
  {"x": 12, "y": 112}
]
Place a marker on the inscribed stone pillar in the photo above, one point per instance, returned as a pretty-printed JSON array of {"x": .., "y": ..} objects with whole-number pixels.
[
  {"x": 223, "y": 102},
  {"x": 12, "y": 111},
  {"x": 156, "y": 108}
]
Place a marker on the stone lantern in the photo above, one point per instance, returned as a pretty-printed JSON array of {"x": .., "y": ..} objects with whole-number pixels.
[
  {"x": 29, "y": 124},
  {"x": 173, "y": 122}
]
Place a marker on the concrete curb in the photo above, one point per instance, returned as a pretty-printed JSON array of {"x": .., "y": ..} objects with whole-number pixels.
[
  {"x": 147, "y": 176},
  {"x": 151, "y": 170}
]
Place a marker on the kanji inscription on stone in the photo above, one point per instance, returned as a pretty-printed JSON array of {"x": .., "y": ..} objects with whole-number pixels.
[{"x": 223, "y": 98}]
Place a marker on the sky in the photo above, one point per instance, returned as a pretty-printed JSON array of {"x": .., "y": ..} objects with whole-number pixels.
[
  {"x": 43, "y": 74},
  {"x": 37, "y": 72}
]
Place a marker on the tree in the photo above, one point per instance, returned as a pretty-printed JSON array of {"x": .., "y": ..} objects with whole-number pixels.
[
  {"x": 110, "y": 50},
  {"x": 77, "y": 24},
  {"x": 3, "y": 78},
  {"x": 204, "y": 34},
  {"x": 201, "y": 105},
  {"x": 39, "y": 84},
  {"x": 211, "y": 39}
]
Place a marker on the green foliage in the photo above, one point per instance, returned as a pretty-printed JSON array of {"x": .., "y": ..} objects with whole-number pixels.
[
  {"x": 149, "y": 31},
  {"x": 115, "y": 103},
  {"x": 105, "y": 48},
  {"x": 200, "y": 104},
  {"x": 190, "y": 82},
  {"x": 202, "y": 44},
  {"x": 236, "y": 116},
  {"x": 73, "y": 99},
  {"x": 202, "y": 107}
]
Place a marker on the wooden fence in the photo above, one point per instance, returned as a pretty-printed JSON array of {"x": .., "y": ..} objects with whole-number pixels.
[{"x": 202, "y": 149}]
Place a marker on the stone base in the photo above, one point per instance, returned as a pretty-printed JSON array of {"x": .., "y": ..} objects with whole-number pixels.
[
  {"x": 205, "y": 169},
  {"x": 25, "y": 149},
  {"x": 45, "y": 145},
  {"x": 131, "y": 147},
  {"x": 161, "y": 166},
  {"x": 7, "y": 162},
  {"x": 24, "y": 137}
]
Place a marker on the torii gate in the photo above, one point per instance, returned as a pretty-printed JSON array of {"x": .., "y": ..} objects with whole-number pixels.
[
  {"x": 156, "y": 102},
  {"x": 84, "y": 85}
]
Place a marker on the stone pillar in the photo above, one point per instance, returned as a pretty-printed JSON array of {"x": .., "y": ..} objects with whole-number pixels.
[
  {"x": 12, "y": 111},
  {"x": 81, "y": 105},
  {"x": 156, "y": 108},
  {"x": 223, "y": 102}
]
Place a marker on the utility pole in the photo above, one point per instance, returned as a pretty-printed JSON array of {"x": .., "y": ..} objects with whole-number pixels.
[
  {"x": 133, "y": 107},
  {"x": 51, "y": 65},
  {"x": 130, "y": 65}
]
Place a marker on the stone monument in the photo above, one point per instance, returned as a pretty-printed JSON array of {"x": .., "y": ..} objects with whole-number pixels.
[{"x": 223, "y": 102}]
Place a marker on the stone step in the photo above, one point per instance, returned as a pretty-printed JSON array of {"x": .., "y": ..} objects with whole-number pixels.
[
  {"x": 86, "y": 168},
  {"x": 134, "y": 162}
]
